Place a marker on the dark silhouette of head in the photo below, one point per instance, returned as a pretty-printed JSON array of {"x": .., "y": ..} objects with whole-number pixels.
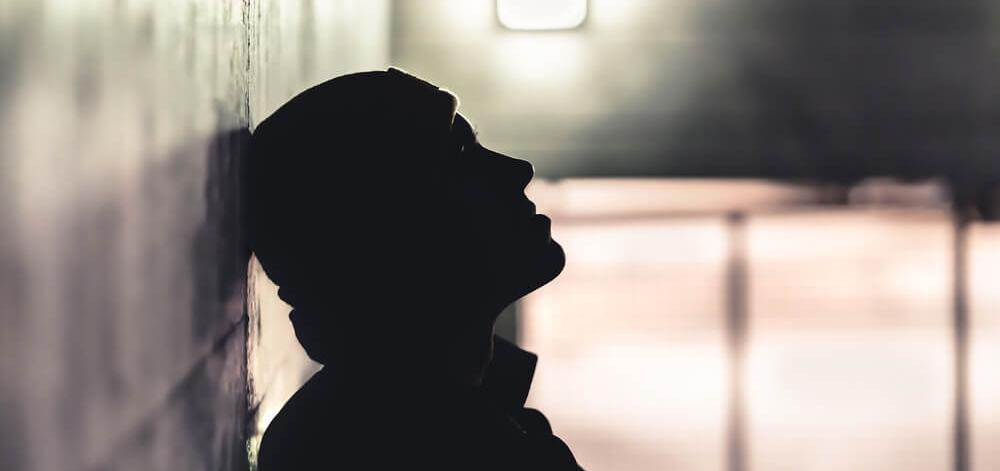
[{"x": 394, "y": 235}]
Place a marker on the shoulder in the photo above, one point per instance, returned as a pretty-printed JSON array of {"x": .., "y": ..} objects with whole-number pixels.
[{"x": 306, "y": 423}]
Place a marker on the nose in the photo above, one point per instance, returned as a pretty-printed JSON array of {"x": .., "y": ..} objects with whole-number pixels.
[
  {"x": 511, "y": 170},
  {"x": 518, "y": 171},
  {"x": 523, "y": 171}
]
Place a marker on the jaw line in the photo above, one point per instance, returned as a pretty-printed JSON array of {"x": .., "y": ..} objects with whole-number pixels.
[{"x": 551, "y": 264}]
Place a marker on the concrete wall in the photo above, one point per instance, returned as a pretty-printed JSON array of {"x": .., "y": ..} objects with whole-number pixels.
[{"x": 124, "y": 331}]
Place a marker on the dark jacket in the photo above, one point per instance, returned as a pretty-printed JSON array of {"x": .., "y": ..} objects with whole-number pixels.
[{"x": 331, "y": 425}]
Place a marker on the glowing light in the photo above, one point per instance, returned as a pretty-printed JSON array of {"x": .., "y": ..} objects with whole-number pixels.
[
  {"x": 542, "y": 65},
  {"x": 541, "y": 14}
]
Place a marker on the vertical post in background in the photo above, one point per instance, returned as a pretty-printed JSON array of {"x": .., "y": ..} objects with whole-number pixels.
[
  {"x": 960, "y": 337},
  {"x": 736, "y": 341}
]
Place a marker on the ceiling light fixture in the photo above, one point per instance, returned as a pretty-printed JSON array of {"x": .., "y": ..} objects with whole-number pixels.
[{"x": 541, "y": 15}]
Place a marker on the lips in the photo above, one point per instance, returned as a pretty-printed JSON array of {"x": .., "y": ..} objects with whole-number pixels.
[
  {"x": 544, "y": 221},
  {"x": 528, "y": 208},
  {"x": 523, "y": 216},
  {"x": 526, "y": 216}
]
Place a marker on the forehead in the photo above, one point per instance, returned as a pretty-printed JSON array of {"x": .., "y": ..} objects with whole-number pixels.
[
  {"x": 462, "y": 127},
  {"x": 461, "y": 123}
]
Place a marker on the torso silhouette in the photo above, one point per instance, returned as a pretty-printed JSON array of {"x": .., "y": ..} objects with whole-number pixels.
[
  {"x": 333, "y": 425},
  {"x": 398, "y": 239}
]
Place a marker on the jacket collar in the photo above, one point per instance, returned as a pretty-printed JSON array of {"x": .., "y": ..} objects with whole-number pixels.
[{"x": 508, "y": 377}]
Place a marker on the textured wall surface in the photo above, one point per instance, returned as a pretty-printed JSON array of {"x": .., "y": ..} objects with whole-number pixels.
[{"x": 123, "y": 329}]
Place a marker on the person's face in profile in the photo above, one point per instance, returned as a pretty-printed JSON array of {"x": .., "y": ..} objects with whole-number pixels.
[{"x": 515, "y": 244}]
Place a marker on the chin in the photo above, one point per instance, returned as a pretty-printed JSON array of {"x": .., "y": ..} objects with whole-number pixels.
[
  {"x": 556, "y": 262},
  {"x": 545, "y": 267}
]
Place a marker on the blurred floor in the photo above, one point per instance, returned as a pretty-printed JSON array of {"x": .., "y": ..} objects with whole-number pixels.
[{"x": 850, "y": 360}]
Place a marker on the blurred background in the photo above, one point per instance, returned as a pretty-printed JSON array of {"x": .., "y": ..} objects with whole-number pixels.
[{"x": 780, "y": 219}]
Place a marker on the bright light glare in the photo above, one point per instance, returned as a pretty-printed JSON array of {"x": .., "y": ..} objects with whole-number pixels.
[
  {"x": 541, "y": 65},
  {"x": 541, "y": 14}
]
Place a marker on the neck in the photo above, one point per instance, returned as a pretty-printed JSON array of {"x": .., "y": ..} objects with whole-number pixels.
[{"x": 419, "y": 362}]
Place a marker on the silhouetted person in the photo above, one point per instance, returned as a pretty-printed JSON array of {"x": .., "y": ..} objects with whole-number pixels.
[{"x": 398, "y": 239}]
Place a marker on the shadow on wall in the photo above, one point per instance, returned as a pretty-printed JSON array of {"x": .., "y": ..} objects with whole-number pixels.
[
  {"x": 219, "y": 238},
  {"x": 203, "y": 421}
]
